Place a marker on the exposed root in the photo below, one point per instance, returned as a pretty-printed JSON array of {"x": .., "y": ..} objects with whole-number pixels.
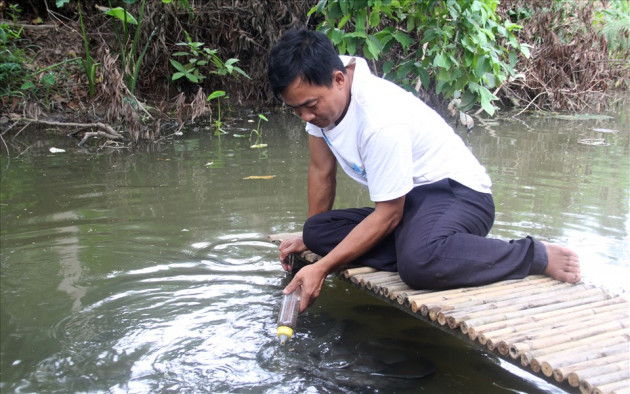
[{"x": 104, "y": 130}]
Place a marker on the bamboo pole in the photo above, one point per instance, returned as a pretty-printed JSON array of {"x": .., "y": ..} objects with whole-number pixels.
[
  {"x": 547, "y": 367},
  {"x": 370, "y": 280},
  {"x": 504, "y": 294},
  {"x": 586, "y": 387},
  {"x": 455, "y": 319},
  {"x": 620, "y": 387},
  {"x": 350, "y": 272},
  {"x": 560, "y": 306},
  {"x": 363, "y": 279},
  {"x": 528, "y": 356},
  {"x": 615, "y": 304},
  {"x": 529, "y": 302},
  {"x": 360, "y": 279},
  {"x": 549, "y": 335},
  {"x": 489, "y": 291},
  {"x": 581, "y": 353},
  {"x": 390, "y": 290},
  {"x": 524, "y": 348},
  {"x": 562, "y": 373},
  {"x": 465, "y": 291},
  {"x": 404, "y": 297},
  {"x": 575, "y": 378},
  {"x": 381, "y": 287}
]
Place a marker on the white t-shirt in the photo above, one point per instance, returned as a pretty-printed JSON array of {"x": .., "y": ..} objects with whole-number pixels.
[{"x": 390, "y": 141}]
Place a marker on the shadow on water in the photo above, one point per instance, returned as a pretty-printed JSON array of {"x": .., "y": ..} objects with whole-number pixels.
[{"x": 149, "y": 271}]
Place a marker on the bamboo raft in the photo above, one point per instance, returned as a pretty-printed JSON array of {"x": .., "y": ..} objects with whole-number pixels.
[{"x": 576, "y": 336}]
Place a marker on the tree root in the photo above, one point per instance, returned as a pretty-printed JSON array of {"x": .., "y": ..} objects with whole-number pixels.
[{"x": 104, "y": 130}]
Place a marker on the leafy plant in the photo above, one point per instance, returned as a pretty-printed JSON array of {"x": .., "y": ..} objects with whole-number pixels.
[
  {"x": 258, "y": 132},
  {"x": 614, "y": 24},
  {"x": 199, "y": 58},
  {"x": 446, "y": 46},
  {"x": 12, "y": 59},
  {"x": 127, "y": 46},
  {"x": 128, "y": 43},
  {"x": 217, "y": 94},
  {"x": 89, "y": 65}
]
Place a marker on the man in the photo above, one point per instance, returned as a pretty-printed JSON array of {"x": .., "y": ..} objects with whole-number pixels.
[{"x": 433, "y": 204}]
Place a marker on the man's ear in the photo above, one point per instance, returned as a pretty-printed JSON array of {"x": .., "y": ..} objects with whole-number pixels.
[{"x": 339, "y": 78}]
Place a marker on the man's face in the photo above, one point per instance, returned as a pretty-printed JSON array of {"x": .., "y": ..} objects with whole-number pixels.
[{"x": 319, "y": 105}]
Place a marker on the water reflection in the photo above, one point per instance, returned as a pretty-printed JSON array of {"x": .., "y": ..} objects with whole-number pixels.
[
  {"x": 149, "y": 271},
  {"x": 71, "y": 269}
]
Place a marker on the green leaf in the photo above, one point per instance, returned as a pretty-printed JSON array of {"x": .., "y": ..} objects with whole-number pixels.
[
  {"x": 441, "y": 61},
  {"x": 177, "y": 65},
  {"x": 61, "y": 3},
  {"x": 403, "y": 39},
  {"x": 344, "y": 20},
  {"x": 261, "y": 116},
  {"x": 192, "y": 78},
  {"x": 388, "y": 66},
  {"x": 27, "y": 85},
  {"x": 240, "y": 71},
  {"x": 336, "y": 36},
  {"x": 375, "y": 17},
  {"x": 177, "y": 76},
  {"x": 424, "y": 77},
  {"x": 482, "y": 66},
  {"x": 485, "y": 96},
  {"x": 374, "y": 46},
  {"x": 48, "y": 80},
  {"x": 360, "y": 18},
  {"x": 120, "y": 13},
  {"x": 216, "y": 94},
  {"x": 351, "y": 45}
]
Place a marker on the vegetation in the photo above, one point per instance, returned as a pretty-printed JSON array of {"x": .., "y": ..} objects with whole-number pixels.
[
  {"x": 572, "y": 67},
  {"x": 456, "y": 49},
  {"x": 140, "y": 65},
  {"x": 258, "y": 132}
]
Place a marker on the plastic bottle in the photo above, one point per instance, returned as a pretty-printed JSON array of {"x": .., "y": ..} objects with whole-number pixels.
[{"x": 287, "y": 317}]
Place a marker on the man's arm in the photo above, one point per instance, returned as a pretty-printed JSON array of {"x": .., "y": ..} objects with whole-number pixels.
[
  {"x": 322, "y": 183},
  {"x": 322, "y": 172},
  {"x": 382, "y": 221}
]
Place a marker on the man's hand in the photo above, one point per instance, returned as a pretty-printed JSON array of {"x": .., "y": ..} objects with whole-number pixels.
[
  {"x": 311, "y": 279},
  {"x": 288, "y": 246}
]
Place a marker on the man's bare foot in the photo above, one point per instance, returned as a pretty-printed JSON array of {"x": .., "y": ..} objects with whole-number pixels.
[{"x": 562, "y": 263}]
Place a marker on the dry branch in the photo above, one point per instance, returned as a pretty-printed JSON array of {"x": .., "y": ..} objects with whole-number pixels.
[{"x": 105, "y": 130}]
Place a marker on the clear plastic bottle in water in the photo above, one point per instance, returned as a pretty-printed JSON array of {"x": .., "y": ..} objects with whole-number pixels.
[{"x": 287, "y": 317}]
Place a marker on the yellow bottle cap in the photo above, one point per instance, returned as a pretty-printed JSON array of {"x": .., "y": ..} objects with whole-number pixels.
[{"x": 284, "y": 330}]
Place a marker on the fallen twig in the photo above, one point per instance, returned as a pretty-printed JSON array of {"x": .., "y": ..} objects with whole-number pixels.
[{"x": 105, "y": 130}]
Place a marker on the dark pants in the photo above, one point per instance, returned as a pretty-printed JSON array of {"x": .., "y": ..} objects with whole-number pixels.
[{"x": 440, "y": 242}]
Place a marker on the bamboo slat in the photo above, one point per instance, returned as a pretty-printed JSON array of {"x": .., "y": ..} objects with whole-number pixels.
[
  {"x": 576, "y": 377},
  {"x": 562, "y": 373},
  {"x": 571, "y": 354},
  {"x": 620, "y": 387},
  {"x": 549, "y": 335},
  {"x": 573, "y": 333},
  {"x": 590, "y": 308},
  {"x": 530, "y": 324},
  {"x": 586, "y": 386}
]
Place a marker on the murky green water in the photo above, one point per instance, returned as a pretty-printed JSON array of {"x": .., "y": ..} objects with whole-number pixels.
[{"x": 148, "y": 271}]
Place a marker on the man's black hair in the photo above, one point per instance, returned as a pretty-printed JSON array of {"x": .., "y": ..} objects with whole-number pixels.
[{"x": 302, "y": 53}]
